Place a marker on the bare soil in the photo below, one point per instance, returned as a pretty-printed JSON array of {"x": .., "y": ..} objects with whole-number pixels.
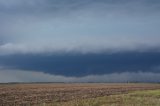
[{"x": 32, "y": 94}]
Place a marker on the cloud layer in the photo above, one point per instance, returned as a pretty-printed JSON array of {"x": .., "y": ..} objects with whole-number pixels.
[
  {"x": 74, "y": 64},
  {"x": 83, "y": 45},
  {"x": 31, "y": 26}
]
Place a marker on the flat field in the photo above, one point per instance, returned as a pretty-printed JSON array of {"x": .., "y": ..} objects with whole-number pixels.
[{"x": 80, "y": 94}]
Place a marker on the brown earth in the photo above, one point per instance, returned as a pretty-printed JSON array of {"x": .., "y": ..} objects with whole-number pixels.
[{"x": 32, "y": 94}]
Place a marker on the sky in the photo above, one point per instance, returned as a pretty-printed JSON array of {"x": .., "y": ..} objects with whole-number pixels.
[{"x": 79, "y": 41}]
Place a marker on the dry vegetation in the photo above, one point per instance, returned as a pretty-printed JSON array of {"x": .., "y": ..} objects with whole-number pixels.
[
  {"x": 136, "y": 98},
  {"x": 36, "y": 94}
]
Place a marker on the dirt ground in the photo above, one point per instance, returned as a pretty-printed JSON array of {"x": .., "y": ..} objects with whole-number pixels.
[{"x": 32, "y": 94}]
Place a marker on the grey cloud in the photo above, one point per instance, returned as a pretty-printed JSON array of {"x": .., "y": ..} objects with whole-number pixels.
[
  {"x": 82, "y": 45},
  {"x": 31, "y": 76},
  {"x": 78, "y": 9},
  {"x": 33, "y": 26}
]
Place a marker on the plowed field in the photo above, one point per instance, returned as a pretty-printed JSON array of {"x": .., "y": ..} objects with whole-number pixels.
[{"x": 34, "y": 94}]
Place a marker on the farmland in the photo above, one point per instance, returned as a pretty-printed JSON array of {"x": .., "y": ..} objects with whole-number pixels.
[{"x": 77, "y": 94}]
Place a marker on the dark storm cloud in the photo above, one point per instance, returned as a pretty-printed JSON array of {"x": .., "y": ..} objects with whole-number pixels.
[
  {"x": 73, "y": 67},
  {"x": 82, "y": 65}
]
